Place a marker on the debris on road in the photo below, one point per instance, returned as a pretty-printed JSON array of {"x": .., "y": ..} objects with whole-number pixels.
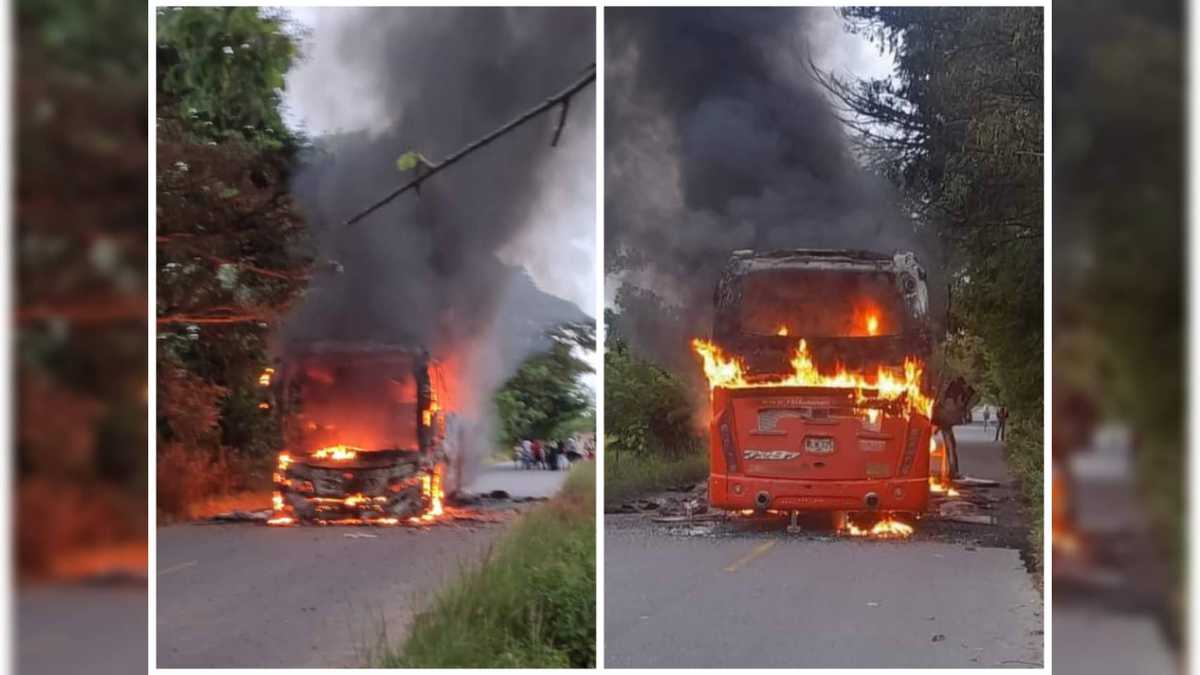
[
  {"x": 968, "y": 481},
  {"x": 962, "y": 511},
  {"x": 242, "y": 516},
  {"x": 699, "y": 518}
]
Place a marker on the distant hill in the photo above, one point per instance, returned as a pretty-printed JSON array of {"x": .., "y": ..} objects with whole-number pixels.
[{"x": 526, "y": 312}]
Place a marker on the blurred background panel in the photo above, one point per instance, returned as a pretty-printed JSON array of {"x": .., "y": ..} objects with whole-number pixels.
[
  {"x": 80, "y": 345},
  {"x": 1118, "y": 346}
]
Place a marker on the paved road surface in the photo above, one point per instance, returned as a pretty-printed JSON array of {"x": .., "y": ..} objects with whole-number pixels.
[
  {"x": 251, "y": 596},
  {"x": 518, "y": 482},
  {"x": 774, "y": 601},
  {"x": 76, "y": 628}
]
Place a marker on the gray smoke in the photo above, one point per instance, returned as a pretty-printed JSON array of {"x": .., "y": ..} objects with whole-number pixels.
[
  {"x": 423, "y": 270},
  {"x": 718, "y": 138}
]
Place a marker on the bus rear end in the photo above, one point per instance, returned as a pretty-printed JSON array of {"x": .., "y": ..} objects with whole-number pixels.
[
  {"x": 816, "y": 449},
  {"x": 818, "y": 383}
]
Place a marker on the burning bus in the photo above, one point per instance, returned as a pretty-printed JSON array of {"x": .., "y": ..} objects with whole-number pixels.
[
  {"x": 817, "y": 379},
  {"x": 366, "y": 438}
]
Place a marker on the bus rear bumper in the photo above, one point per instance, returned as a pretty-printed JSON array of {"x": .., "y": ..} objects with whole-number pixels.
[{"x": 736, "y": 493}]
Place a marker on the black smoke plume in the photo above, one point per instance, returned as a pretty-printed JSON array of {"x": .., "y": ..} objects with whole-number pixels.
[
  {"x": 719, "y": 138},
  {"x": 422, "y": 270}
]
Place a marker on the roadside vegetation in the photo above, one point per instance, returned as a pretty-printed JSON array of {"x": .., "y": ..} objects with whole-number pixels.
[
  {"x": 546, "y": 399},
  {"x": 634, "y": 475},
  {"x": 652, "y": 440},
  {"x": 229, "y": 238},
  {"x": 532, "y": 602}
]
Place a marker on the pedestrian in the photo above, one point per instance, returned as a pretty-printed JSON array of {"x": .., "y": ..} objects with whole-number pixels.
[
  {"x": 948, "y": 411},
  {"x": 987, "y": 417},
  {"x": 1001, "y": 423},
  {"x": 526, "y": 454}
]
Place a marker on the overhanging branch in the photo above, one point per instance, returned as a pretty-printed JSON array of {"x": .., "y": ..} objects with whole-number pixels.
[{"x": 562, "y": 98}]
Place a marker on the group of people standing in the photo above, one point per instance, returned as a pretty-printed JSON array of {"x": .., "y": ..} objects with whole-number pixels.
[
  {"x": 1001, "y": 420},
  {"x": 552, "y": 455}
]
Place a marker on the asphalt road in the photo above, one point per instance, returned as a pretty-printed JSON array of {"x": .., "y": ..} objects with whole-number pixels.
[
  {"x": 773, "y": 600},
  {"x": 99, "y": 628},
  {"x": 251, "y": 596}
]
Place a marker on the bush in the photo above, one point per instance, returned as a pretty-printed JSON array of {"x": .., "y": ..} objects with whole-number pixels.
[
  {"x": 647, "y": 408},
  {"x": 634, "y": 474},
  {"x": 532, "y": 604},
  {"x": 1024, "y": 446},
  {"x": 184, "y": 477}
]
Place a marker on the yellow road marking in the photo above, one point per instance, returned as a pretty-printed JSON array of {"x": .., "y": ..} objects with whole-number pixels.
[
  {"x": 176, "y": 568},
  {"x": 746, "y": 559}
]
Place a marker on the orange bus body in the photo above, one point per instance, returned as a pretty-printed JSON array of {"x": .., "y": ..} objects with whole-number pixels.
[{"x": 815, "y": 449}]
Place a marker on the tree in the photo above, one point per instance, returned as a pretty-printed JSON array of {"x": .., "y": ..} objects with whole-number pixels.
[
  {"x": 223, "y": 70},
  {"x": 546, "y": 397},
  {"x": 649, "y": 409},
  {"x": 228, "y": 230},
  {"x": 958, "y": 127}
]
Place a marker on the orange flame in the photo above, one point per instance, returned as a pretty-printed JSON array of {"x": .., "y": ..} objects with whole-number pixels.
[
  {"x": 872, "y": 324},
  {"x": 431, "y": 486},
  {"x": 783, "y": 331},
  {"x": 936, "y": 486},
  {"x": 886, "y": 528},
  {"x": 427, "y": 414},
  {"x": 264, "y": 380},
  {"x": 277, "y": 506},
  {"x": 338, "y": 453},
  {"x": 729, "y": 373}
]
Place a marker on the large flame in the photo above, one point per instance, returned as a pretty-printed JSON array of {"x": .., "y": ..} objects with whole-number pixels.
[
  {"x": 891, "y": 384},
  {"x": 431, "y": 485}
]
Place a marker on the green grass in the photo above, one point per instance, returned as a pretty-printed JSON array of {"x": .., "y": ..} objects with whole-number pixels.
[
  {"x": 531, "y": 604},
  {"x": 1024, "y": 450},
  {"x": 631, "y": 475}
]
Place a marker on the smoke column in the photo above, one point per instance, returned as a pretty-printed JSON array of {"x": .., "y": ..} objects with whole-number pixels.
[
  {"x": 423, "y": 269},
  {"x": 718, "y": 138}
]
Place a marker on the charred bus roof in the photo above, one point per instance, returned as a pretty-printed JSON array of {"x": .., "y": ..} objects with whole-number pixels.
[
  {"x": 902, "y": 266},
  {"x": 766, "y": 300}
]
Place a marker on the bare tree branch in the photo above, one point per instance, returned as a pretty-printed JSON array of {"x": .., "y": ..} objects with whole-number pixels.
[{"x": 561, "y": 98}]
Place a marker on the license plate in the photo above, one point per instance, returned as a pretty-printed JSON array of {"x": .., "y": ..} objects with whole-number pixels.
[{"x": 818, "y": 445}]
